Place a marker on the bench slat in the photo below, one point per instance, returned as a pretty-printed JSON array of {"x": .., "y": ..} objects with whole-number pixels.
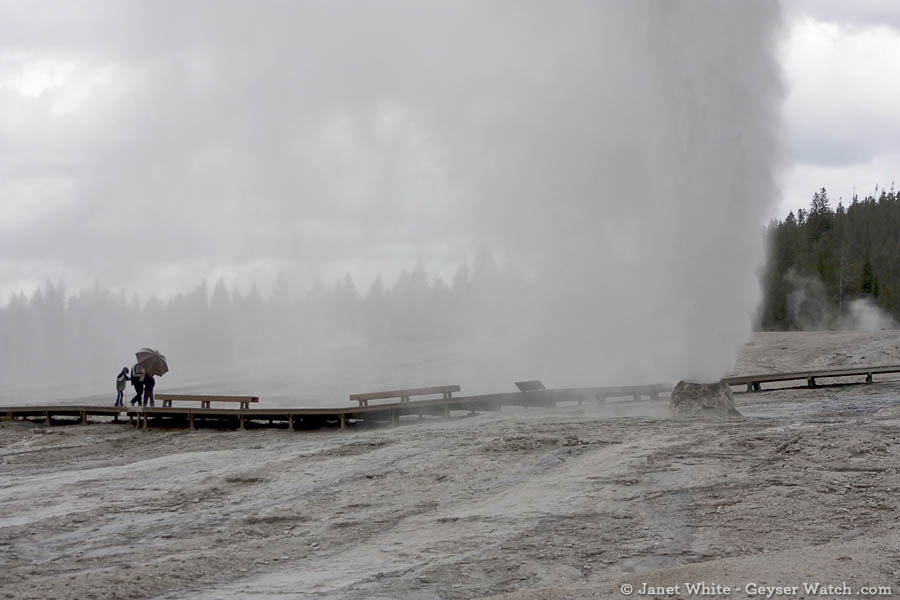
[
  {"x": 206, "y": 398},
  {"x": 441, "y": 389}
]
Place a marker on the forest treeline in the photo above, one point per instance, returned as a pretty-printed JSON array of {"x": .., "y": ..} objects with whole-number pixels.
[
  {"x": 825, "y": 264},
  {"x": 825, "y": 260},
  {"x": 54, "y": 335}
]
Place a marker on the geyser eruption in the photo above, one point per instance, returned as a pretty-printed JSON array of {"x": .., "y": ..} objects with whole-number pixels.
[
  {"x": 631, "y": 165},
  {"x": 618, "y": 155}
]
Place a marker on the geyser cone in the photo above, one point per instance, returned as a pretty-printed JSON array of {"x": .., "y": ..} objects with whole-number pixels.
[{"x": 703, "y": 400}]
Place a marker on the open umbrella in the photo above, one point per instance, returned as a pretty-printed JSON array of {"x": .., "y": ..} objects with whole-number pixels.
[{"x": 151, "y": 361}]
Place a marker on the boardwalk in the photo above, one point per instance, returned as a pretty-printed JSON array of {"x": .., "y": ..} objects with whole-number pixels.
[
  {"x": 313, "y": 418},
  {"x": 754, "y": 382}
]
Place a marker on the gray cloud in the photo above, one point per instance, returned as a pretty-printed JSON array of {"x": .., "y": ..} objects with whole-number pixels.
[
  {"x": 839, "y": 110},
  {"x": 858, "y": 13}
]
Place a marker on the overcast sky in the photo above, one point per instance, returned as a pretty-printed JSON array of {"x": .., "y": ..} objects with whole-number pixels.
[
  {"x": 842, "y": 120},
  {"x": 150, "y": 145}
]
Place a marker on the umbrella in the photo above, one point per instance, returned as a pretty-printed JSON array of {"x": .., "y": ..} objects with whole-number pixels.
[{"x": 151, "y": 361}]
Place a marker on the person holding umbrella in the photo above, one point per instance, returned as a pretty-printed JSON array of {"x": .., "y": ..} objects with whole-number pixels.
[{"x": 150, "y": 362}]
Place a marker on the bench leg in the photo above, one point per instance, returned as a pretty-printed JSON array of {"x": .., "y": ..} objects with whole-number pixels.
[
  {"x": 291, "y": 421},
  {"x": 343, "y": 421},
  {"x": 241, "y": 420},
  {"x": 191, "y": 419},
  {"x": 83, "y": 420}
]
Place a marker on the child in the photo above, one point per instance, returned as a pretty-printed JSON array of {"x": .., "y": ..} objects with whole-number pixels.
[{"x": 121, "y": 380}]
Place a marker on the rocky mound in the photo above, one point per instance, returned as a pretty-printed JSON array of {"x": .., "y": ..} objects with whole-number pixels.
[{"x": 704, "y": 400}]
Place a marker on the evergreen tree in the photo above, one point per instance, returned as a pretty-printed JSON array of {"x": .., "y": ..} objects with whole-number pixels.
[
  {"x": 866, "y": 284},
  {"x": 849, "y": 252}
]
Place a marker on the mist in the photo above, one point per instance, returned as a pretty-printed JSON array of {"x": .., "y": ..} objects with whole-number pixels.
[
  {"x": 810, "y": 308},
  {"x": 545, "y": 192}
]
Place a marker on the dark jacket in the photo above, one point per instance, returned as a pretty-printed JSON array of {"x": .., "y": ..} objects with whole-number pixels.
[{"x": 137, "y": 378}]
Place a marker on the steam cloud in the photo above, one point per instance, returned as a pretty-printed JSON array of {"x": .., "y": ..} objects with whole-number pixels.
[
  {"x": 618, "y": 154},
  {"x": 810, "y": 309},
  {"x": 621, "y": 175}
]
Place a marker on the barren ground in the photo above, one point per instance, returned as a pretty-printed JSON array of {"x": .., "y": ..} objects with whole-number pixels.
[{"x": 537, "y": 504}]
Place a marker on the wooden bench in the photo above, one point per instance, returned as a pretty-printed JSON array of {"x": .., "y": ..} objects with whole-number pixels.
[
  {"x": 445, "y": 390},
  {"x": 204, "y": 401}
]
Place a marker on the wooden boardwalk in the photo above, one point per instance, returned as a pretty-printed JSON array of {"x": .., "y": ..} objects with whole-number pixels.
[
  {"x": 314, "y": 418},
  {"x": 754, "y": 382}
]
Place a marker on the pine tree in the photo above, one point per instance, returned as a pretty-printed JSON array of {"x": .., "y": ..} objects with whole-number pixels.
[{"x": 866, "y": 284}]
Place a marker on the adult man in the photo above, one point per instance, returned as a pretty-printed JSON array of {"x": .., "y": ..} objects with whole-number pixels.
[{"x": 137, "y": 380}]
